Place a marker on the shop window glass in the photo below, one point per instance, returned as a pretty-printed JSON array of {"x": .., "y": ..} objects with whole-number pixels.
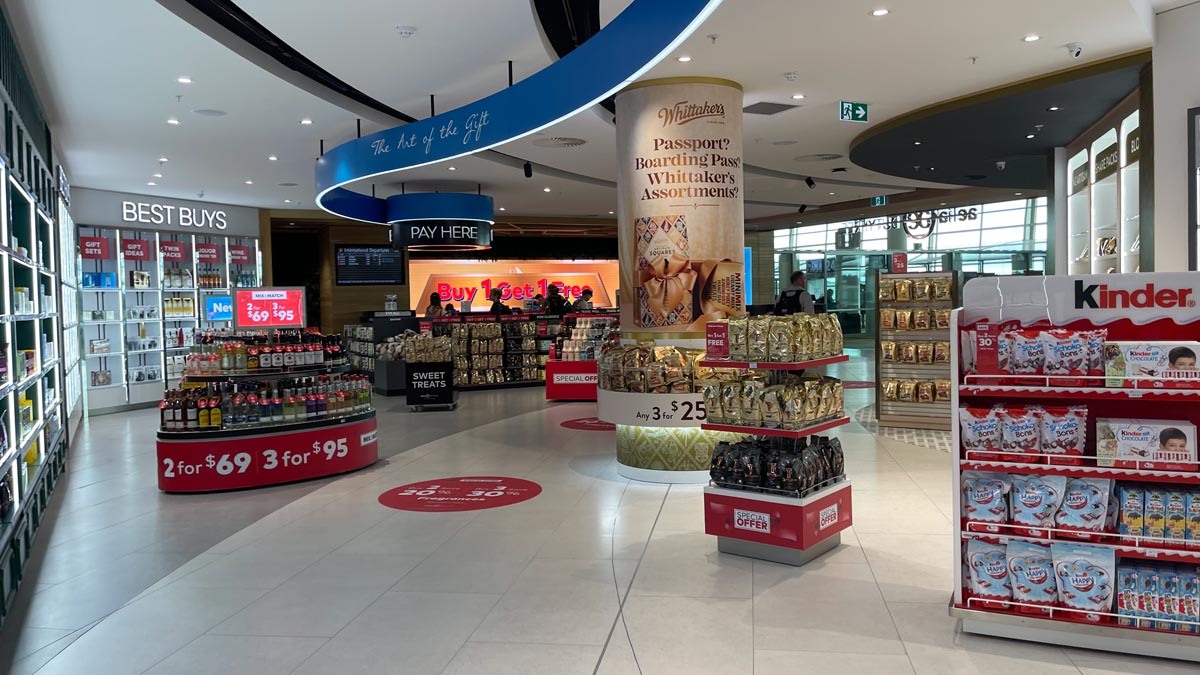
[
  {"x": 1003, "y": 218},
  {"x": 949, "y": 241},
  {"x": 1005, "y": 206}
]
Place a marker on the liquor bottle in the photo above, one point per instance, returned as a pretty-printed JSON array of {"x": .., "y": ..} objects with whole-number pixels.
[
  {"x": 252, "y": 417},
  {"x": 192, "y": 413},
  {"x": 216, "y": 420},
  {"x": 164, "y": 415},
  {"x": 204, "y": 418}
]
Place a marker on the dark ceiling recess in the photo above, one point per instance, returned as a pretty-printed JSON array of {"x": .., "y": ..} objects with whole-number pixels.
[
  {"x": 964, "y": 142},
  {"x": 568, "y": 24},
  {"x": 232, "y": 18}
]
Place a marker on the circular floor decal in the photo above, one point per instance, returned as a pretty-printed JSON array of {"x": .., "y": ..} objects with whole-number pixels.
[
  {"x": 589, "y": 424},
  {"x": 858, "y": 384},
  {"x": 462, "y": 493}
]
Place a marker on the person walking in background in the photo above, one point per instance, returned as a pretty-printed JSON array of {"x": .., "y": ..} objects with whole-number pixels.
[
  {"x": 584, "y": 303},
  {"x": 498, "y": 307},
  {"x": 555, "y": 302},
  {"x": 795, "y": 298},
  {"x": 434, "y": 310},
  {"x": 449, "y": 310}
]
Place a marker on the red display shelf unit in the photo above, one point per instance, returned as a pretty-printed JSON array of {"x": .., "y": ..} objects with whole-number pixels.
[
  {"x": 1151, "y": 476},
  {"x": 777, "y": 528},
  {"x": 765, "y": 365},
  {"x": 781, "y": 433},
  {"x": 1078, "y": 393},
  {"x": 1145, "y": 549},
  {"x": 571, "y": 380}
]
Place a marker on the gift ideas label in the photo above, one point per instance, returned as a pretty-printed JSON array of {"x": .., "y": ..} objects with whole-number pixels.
[
  {"x": 464, "y": 493},
  {"x": 680, "y": 189}
]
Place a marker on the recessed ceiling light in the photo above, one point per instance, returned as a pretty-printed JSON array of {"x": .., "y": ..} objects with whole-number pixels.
[
  {"x": 162, "y": 159},
  {"x": 942, "y": 204},
  {"x": 1028, "y": 136},
  {"x": 306, "y": 121},
  {"x": 151, "y": 183},
  {"x": 249, "y": 182},
  {"x": 797, "y": 96},
  {"x": 545, "y": 189},
  {"x": 1018, "y": 194},
  {"x": 833, "y": 193},
  {"x": 610, "y": 212},
  {"x": 1032, "y": 37},
  {"x": 450, "y": 168},
  {"x": 183, "y": 79},
  {"x": 272, "y": 158},
  {"x": 1054, "y": 108},
  {"x": 172, "y": 120},
  {"x": 502, "y": 208},
  {"x": 880, "y": 12},
  {"x": 916, "y": 142},
  {"x": 158, "y": 175},
  {"x": 287, "y": 201},
  {"x": 799, "y": 222},
  {"x": 684, "y": 59}
]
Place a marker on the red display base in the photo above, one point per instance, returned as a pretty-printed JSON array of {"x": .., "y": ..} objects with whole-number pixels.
[
  {"x": 778, "y": 521},
  {"x": 246, "y": 458},
  {"x": 571, "y": 380}
]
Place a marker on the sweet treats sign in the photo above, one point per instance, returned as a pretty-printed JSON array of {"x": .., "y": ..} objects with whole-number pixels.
[{"x": 681, "y": 230}]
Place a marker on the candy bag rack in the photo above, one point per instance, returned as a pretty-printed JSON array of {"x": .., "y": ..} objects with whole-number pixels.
[{"x": 1077, "y": 508}]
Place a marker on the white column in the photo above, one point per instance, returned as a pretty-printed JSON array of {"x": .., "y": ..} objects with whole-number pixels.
[{"x": 1176, "y": 89}]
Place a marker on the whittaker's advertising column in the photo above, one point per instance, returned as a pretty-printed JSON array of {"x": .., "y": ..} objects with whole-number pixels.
[
  {"x": 680, "y": 192},
  {"x": 681, "y": 238}
]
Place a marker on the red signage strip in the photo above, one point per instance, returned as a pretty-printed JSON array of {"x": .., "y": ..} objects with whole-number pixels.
[
  {"x": 208, "y": 253},
  {"x": 239, "y": 255},
  {"x": 463, "y": 493},
  {"x": 789, "y": 523},
  {"x": 95, "y": 248},
  {"x": 137, "y": 249},
  {"x": 268, "y": 308},
  {"x": 173, "y": 251},
  {"x": 571, "y": 380},
  {"x": 716, "y": 340},
  {"x": 210, "y": 464}
]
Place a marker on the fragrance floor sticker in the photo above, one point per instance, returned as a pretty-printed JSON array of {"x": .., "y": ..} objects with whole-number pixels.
[
  {"x": 463, "y": 493},
  {"x": 589, "y": 424}
]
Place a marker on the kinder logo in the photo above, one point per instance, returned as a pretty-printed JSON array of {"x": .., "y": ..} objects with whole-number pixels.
[
  {"x": 1031, "y": 498},
  {"x": 575, "y": 378},
  {"x": 1102, "y": 296},
  {"x": 828, "y": 517},
  {"x": 1037, "y": 575},
  {"x": 685, "y": 111},
  {"x": 752, "y": 520},
  {"x": 1139, "y": 435}
]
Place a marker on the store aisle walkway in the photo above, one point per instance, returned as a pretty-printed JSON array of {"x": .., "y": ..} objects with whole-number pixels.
[
  {"x": 595, "y": 575},
  {"x": 109, "y": 533}
]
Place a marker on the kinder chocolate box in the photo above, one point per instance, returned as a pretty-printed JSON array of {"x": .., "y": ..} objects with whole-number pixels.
[
  {"x": 1147, "y": 601},
  {"x": 1193, "y": 520},
  {"x": 1176, "y": 513},
  {"x": 1155, "y": 527},
  {"x": 1189, "y": 598},
  {"x": 1164, "y": 445},
  {"x": 1168, "y": 597},
  {"x": 1165, "y": 365},
  {"x": 1127, "y": 594},
  {"x": 1130, "y": 519}
]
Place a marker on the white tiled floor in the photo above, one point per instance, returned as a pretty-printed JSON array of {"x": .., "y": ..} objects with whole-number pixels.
[{"x": 333, "y": 582}]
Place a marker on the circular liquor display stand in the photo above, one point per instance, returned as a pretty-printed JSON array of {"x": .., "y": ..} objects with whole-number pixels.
[{"x": 256, "y": 456}]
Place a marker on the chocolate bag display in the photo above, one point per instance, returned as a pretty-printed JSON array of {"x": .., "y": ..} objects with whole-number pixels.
[
  {"x": 984, "y": 498},
  {"x": 1085, "y": 577},
  {"x": 1084, "y": 508},
  {"x": 989, "y": 572},
  {"x": 1031, "y": 572},
  {"x": 1035, "y": 502}
]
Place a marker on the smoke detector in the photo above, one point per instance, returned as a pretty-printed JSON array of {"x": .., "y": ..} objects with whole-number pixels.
[
  {"x": 559, "y": 142},
  {"x": 406, "y": 31}
]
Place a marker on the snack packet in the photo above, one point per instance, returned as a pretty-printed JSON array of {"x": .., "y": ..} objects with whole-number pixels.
[
  {"x": 908, "y": 352},
  {"x": 984, "y": 504},
  {"x": 921, "y": 319},
  {"x": 941, "y": 352},
  {"x": 1064, "y": 431},
  {"x": 921, "y": 291},
  {"x": 891, "y": 390},
  {"x": 941, "y": 390},
  {"x": 779, "y": 340},
  {"x": 904, "y": 290},
  {"x": 1027, "y": 353},
  {"x": 752, "y": 391},
  {"x": 904, "y": 319},
  {"x": 1020, "y": 434},
  {"x": 942, "y": 290},
  {"x": 731, "y": 402},
  {"x": 1031, "y": 572},
  {"x": 908, "y": 391},
  {"x": 1085, "y": 577},
  {"x": 1066, "y": 355},
  {"x": 989, "y": 573},
  {"x": 739, "y": 327},
  {"x": 941, "y": 319},
  {"x": 887, "y": 289},
  {"x": 888, "y": 351},
  {"x": 887, "y": 318},
  {"x": 1084, "y": 508},
  {"x": 980, "y": 433},
  {"x": 756, "y": 338},
  {"x": 1035, "y": 503},
  {"x": 1127, "y": 594},
  {"x": 925, "y": 353},
  {"x": 925, "y": 392},
  {"x": 711, "y": 390}
]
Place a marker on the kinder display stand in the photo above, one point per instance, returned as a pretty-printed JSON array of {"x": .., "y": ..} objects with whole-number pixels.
[
  {"x": 779, "y": 527},
  {"x": 1132, "y": 307}
]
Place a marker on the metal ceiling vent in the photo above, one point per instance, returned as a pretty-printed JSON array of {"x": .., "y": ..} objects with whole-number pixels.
[
  {"x": 767, "y": 108},
  {"x": 559, "y": 142},
  {"x": 819, "y": 157}
]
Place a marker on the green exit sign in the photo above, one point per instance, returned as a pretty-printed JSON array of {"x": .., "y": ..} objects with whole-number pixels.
[
  {"x": 852, "y": 111},
  {"x": 879, "y": 201}
]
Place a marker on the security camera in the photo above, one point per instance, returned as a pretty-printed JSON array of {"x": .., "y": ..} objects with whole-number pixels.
[
  {"x": 1001, "y": 165},
  {"x": 1075, "y": 49}
]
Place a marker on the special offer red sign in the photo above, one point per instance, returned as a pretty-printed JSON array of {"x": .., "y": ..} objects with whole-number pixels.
[
  {"x": 136, "y": 249},
  {"x": 94, "y": 248},
  {"x": 174, "y": 251},
  {"x": 207, "y": 253},
  {"x": 239, "y": 255},
  {"x": 268, "y": 308}
]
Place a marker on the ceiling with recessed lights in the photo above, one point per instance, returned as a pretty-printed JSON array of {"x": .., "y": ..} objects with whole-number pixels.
[{"x": 111, "y": 115}]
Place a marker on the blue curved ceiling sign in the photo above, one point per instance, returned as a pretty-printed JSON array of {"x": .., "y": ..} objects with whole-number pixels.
[{"x": 630, "y": 45}]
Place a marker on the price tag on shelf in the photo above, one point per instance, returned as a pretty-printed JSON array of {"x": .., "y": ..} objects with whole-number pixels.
[
  {"x": 231, "y": 463},
  {"x": 269, "y": 308},
  {"x": 651, "y": 410}
]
